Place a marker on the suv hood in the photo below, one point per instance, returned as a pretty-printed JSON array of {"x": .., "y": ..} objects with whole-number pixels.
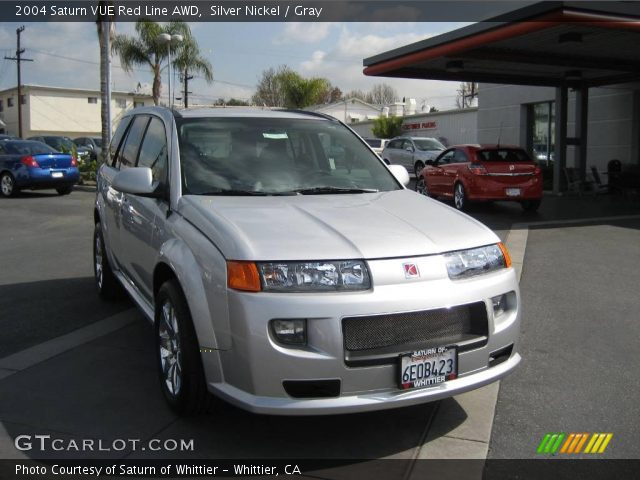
[{"x": 332, "y": 227}]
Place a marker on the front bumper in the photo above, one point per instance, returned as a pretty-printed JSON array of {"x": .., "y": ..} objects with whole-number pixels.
[{"x": 256, "y": 366}]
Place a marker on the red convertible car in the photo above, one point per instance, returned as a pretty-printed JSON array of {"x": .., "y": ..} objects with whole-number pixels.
[{"x": 483, "y": 173}]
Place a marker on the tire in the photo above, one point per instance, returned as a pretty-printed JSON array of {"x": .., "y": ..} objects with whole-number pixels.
[
  {"x": 459, "y": 196},
  {"x": 417, "y": 168},
  {"x": 106, "y": 282},
  {"x": 531, "y": 205},
  {"x": 8, "y": 185},
  {"x": 178, "y": 354},
  {"x": 422, "y": 188},
  {"x": 64, "y": 190}
]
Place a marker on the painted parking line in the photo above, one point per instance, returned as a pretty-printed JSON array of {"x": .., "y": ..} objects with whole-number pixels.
[{"x": 44, "y": 351}]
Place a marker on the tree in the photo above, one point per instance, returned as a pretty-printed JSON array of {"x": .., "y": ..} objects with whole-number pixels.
[
  {"x": 189, "y": 60},
  {"x": 106, "y": 31},
  {"x": 382, "y": 94},
  {"x": 467, "y": 93},
  {"x": 286, "y": 88},
  {"x": 270, "y": 91},
  {"x": 387, "y": 127},
  {"x": 145, "y": 49},
  {"x": 357, "y": 93}
]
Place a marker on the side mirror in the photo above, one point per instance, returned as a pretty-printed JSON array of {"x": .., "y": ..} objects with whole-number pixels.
[
  {"x": 135, "y": 180},
  {"x": 400, "y": 173}
]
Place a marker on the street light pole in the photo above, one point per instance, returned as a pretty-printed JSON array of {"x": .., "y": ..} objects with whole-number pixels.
[{"x": 169, "y": 39}]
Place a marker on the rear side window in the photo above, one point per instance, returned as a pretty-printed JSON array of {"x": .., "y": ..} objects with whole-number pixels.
[
  {"x": 153, "y": 153},
  {"x": 117, "y": 139},
  {"x": 446, "y": 157},
  {"x": 460, "y": 156},
  {"x": 129, "y": 151},
  {"x": 395, "y": 143},
  {"x": 510, "y": 155}
]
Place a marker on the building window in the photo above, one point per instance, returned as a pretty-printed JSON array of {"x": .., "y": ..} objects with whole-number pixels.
[
  {"x": 542, "y": 131},
  {"x": 121, "y": 102},
  {"x": 10, "y": 102},
  {"x": 92, "y": 100},
  {"x": 1, "y": 106},
  {"x": 23, "y": 99},
  {"x": 138, "y": 104}
]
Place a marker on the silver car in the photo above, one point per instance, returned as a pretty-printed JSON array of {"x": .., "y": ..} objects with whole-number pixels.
[
  {"x": 413, "y": 153},
  {"x": 283, "y": 272}
]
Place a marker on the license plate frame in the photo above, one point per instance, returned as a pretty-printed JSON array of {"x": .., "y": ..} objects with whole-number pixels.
[
  {"x": 420, "y": 358},
  {"x": 513, "y": 192},
  {"x": 57, "y": 174}
]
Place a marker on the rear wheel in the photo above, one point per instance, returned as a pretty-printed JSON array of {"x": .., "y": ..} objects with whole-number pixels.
[
  {"x": 179, "y": 362},
  {"x": 64, "y": 190},
  {"x": 459, "y": 196},
  {"x": 530, "y": 205},
  {"x": 8, "y": 185},
  {"x": 417, "y": 168},
  {"x": 106, "y": 282}
]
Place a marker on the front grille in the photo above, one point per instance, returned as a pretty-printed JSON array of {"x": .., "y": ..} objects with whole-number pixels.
[{"x": 426, "y": 328}]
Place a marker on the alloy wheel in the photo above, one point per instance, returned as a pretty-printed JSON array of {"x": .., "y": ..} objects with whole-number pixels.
[
  {"x": 170, "y": 353},
  {"x": 6, "y": 183},
  {"x": 421, "y": 187},
  {"x": 98, "y": 262},
  {"x": 459, "y": 196}
]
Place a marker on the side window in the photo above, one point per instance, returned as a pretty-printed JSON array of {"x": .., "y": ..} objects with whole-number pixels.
[
  {"x": 129, "y": 151},
  {"x": 446, "y": 158},
  {"x": 408, "y": 145},
  {"x": 153, "y": 152},
  {"x": 117, "y": 139},
  {"x": 395, "y": 144},
  {"x": 460, "y": 157},
  {"x": 2, "y": 150}
]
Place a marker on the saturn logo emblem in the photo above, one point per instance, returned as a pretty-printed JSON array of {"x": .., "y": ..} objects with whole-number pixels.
[{"x": 411, "y": 270}]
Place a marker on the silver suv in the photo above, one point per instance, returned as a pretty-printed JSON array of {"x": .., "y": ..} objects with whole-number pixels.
[{"x": 277, "y": 259}]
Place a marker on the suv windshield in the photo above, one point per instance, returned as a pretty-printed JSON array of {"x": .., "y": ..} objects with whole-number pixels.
[
  {"x": 428, "y": 144},
  {"x": 258, "y": 156}
]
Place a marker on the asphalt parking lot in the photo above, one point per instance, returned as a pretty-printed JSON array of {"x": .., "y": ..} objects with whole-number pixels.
[{"x": 579, "y": 343}]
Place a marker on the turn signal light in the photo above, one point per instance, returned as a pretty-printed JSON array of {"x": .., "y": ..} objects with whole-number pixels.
[
  {"x": 30, "y": 162},
  {"x": 505, "y": 252},
  {"x": 243, "y": 276},
  {"x": 74, "y": 161}
]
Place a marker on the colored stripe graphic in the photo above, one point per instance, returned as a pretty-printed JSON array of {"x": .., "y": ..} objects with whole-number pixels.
[{"x": 572, "y": 443}]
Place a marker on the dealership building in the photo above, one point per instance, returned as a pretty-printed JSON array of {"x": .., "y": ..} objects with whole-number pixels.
[{"x": 561, "y": 79}]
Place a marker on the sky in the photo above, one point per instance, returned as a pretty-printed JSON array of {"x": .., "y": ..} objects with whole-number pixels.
[{"x": 67, "y": 55}]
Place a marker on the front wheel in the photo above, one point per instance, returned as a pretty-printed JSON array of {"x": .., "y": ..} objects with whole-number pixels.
[
  {"x": 417, "y": 168},
  {"x": 422, "y": 188},
  {"x": 106, "y": 282},
  {"x": 8, "y": 185},
  {"x": 179, "y": 363},
  {"x": 459, "y": 196}
]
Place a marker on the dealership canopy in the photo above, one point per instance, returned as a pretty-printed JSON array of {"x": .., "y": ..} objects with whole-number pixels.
[{"x": 549, "y": 43}]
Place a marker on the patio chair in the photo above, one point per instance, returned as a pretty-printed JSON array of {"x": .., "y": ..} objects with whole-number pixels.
[
  {"x": 598, "y": 186},
  {"x": 574, "y": 184}
]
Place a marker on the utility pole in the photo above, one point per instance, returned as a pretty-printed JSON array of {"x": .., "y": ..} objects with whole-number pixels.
[
  {"x": 186, "y": 79},
  {"x": 18, "y": 58}
]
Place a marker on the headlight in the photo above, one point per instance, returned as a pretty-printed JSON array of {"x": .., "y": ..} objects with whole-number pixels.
[
  {"x": 314, "y": 276},
  {"x": 475, "y": 261}
]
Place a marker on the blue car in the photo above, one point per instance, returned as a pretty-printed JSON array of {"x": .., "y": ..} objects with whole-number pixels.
[{"x": 26, "y": 164}]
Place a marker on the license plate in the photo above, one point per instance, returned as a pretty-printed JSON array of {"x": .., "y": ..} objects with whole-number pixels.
[
  {"x": 513, "y": 192},
  {"x": 431, "y": 366},
  {"x": 56, "y": 174}
]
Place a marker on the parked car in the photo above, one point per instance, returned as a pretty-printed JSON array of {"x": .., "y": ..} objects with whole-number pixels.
[
  {"x": 64, "y": 144},
  {"x": 33, "y": 165},
  {"x": 469, "y": 173},
  {"x": 413, "y": 153},
  {"x": 287, "y": 282},
  {"x": 377, "y": 144},
  {"x": 4, "y": 136},
  {"x": 94, "y": 144}
]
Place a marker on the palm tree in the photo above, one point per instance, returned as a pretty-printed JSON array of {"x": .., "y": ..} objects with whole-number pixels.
[
  {"x": 106, "y": 30},
  {"x": 146, "y": 50},
  {"x": 189, "y": 60}
]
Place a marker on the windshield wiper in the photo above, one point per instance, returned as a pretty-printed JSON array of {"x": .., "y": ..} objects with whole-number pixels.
[
  {"x": 240, "y": 193},
  {"x": 331, "y": 190}
]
